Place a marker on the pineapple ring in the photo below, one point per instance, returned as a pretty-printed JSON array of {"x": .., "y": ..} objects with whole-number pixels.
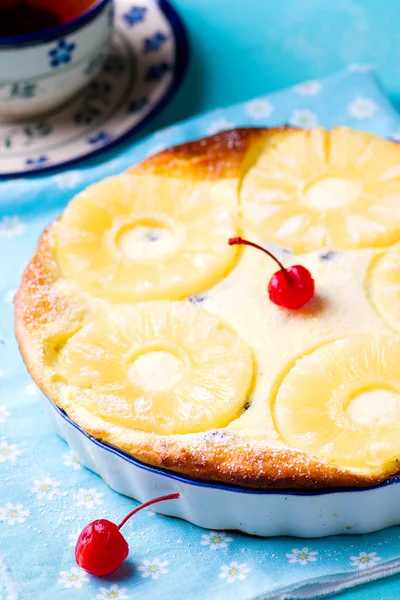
[
  {"x": 338, "y": 189},
  {"x": 133, "y": 238},
  {"x": 161, "y": 367},
  {"x": 342, "y": 401},
  {"x": 384, "y": 287}
]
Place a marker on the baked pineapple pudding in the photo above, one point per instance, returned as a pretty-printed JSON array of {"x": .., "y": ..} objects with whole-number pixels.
[{"x": 154, "y": 334}]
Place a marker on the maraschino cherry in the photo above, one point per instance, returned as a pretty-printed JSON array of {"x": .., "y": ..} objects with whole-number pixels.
[
  {"x": 101, "y": 548},
  {"x": 291, "y": 288}
]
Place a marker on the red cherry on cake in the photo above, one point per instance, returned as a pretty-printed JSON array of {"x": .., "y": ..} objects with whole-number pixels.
[
  {"x": 291, "y": 288},
  {"x": 101, "y": 548}
]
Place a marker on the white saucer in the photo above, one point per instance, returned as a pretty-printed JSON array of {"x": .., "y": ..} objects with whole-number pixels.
[{"x": 141, "y": 73}]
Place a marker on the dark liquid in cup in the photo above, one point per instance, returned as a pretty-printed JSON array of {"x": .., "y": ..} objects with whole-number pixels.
[{"x": 22, "y": 17}]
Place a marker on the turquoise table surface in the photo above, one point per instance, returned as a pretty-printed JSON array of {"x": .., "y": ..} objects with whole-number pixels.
[{"x": 244, "y": 48}]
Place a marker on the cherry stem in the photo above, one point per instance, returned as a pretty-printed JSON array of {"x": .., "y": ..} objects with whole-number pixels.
[
  {"x": 146, "y": 504},
  {"x": 238, "y": 241}
]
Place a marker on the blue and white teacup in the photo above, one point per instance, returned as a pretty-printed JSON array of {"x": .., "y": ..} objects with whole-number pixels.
[{"x": 42, "y": 70}]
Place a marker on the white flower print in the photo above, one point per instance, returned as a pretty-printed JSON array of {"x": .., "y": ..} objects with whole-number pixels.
[
  {"x": 113, "y": 592},
  {"x": 258, "y": 108},
  {"x": 308, "y": 88},
  {"x": 156, "y": 149},
  {"x": 9, "y": 296},
  {"x": 13, "y": 513},
  {"x": 234, "y": 571},
  {"x": 74, "y": 578},
  {"x": 362, "y": 108},
  {"x": 88, "y": 497},
  {"x": 219, "y": 125},
  {"x": 153, "y": 568},
  {"x": 215, "y": 539},
  {"x": 302, "y": 556},
  {"x": 364, "y": 560},
  {"x": 8, "y": 451},
  {"x": 73, "y": 537},
  {"x": 360, "y": 68},
  {"x": 68, "y": 180},
  {"x": 303, "y": 118},
  {"x": 46, "y": 488},
  {"x": 11, "y": 226},
  {"x": 31, "y": 389},
  {"x": 70, "y": 460},
  {"x": 4, "y": 414}
]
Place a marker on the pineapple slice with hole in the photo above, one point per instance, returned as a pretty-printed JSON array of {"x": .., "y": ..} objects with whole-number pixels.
[
  {"x": 384, "y": 287},
  {"x": 146, "y": 237},
  {"x": 161, "y": 367},
  {"x": 342, "y": 402},
  {"x": 308, "y": 190}
]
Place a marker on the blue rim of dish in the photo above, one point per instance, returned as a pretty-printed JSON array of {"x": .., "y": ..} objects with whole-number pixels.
[
  {"x": 48, "y": 35},
  {"x": 212, "y": 484},
  {"x": 181, "y": 62}
]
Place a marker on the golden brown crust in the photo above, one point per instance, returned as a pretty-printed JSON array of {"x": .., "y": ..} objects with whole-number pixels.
[
  {"x": 251, "y": 466},
  {"x": 215, "y": 157},
  {"x": 220, "y": 455},
  {"x": 39, "y": 305}
]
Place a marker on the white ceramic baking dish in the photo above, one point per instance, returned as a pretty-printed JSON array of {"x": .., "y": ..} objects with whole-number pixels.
[{"x": 219, "y": 506}]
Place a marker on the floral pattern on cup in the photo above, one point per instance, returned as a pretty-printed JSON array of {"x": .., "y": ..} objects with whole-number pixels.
[
  {"x": 51, "y": 68},
  {"x": 61, "y": 54}
]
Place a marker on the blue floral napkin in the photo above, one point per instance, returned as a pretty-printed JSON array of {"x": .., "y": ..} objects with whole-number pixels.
[{"x": 46, "y": 497}]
